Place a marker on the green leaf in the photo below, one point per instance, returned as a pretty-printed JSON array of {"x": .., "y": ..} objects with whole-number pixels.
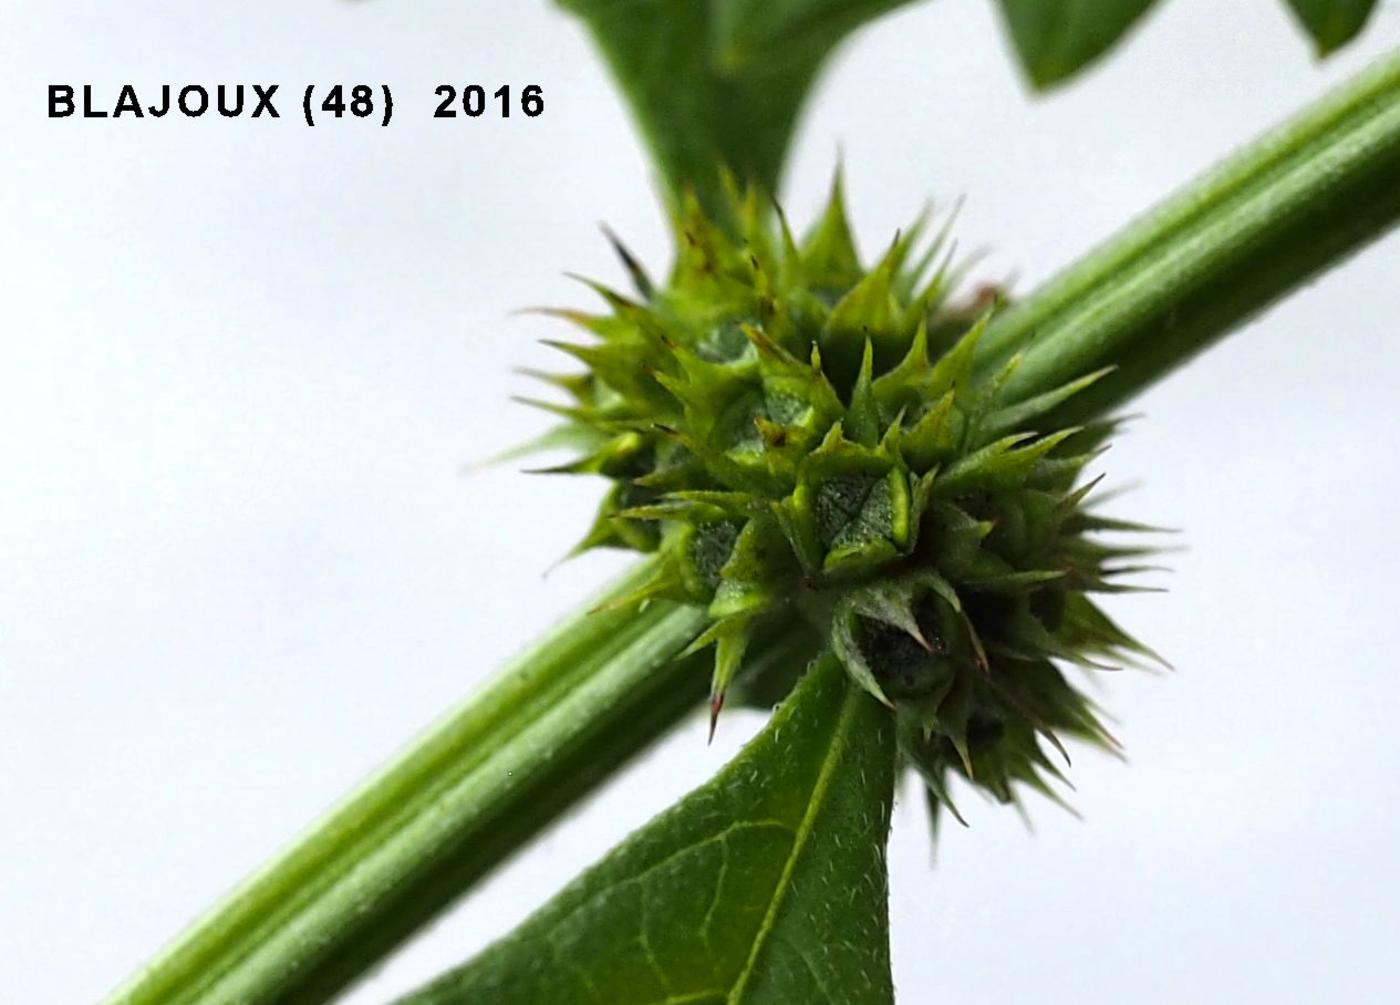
[
  {"x": 719, "y": 82},
  {"x": 767, "y": 884},
  {"x": 779, "y": 29},
  {"x": 1332, "y": 23},
  {"x": 1055, "y": 39}
]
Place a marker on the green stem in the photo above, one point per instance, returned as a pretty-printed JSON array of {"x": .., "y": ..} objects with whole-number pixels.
[
  {"x": 1285, "y": 208},
  {"x": 456, "y": 803}
]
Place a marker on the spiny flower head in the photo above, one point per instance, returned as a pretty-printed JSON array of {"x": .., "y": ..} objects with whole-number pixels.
[{"x": 803, "y": 439}]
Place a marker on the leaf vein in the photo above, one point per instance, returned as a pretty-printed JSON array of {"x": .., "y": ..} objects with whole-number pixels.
[
  {"x": 804, "y": 830},
  {"x": 661, "y": 863}
]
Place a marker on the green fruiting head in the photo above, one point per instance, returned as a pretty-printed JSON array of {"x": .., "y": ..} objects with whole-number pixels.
[{"x": 803, "y": 438}]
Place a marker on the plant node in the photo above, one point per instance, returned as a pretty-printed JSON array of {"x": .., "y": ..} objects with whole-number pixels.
[{"x": 802, "y": 437}]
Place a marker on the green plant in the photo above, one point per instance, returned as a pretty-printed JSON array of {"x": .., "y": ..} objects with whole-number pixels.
[{"x": 897, "y": 510}]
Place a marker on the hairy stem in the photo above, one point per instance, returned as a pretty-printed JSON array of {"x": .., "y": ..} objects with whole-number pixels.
[
  {"x": 457, "y": 802},
  {"x": 1294, "y": 203}
]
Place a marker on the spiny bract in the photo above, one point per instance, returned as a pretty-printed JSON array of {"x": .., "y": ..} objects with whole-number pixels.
[{"x": 805, "y": 440}]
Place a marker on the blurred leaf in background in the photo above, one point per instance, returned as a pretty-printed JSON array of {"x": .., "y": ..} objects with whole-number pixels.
[
  {"x": 714, "y": 82},
  {"x": 1332, "y": 23},
  {"x": 1055, "y": 39}
]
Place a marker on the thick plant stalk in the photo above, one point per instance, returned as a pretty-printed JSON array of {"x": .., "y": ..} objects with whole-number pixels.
[
  {"x": 1291, "y": 205},
  {"x": 603, "y": 686},
  {"x": 459, "y": 800}
]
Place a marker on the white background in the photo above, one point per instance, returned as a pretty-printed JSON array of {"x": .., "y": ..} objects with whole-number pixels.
[{"x": 242, "y": 365}]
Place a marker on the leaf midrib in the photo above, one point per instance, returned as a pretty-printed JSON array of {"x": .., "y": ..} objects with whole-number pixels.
[{"x": 803, "y": 832}]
